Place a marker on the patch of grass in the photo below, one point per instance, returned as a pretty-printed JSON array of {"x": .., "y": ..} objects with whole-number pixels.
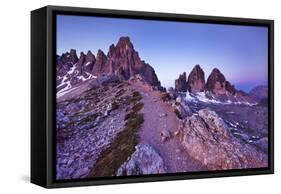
[
  {"x": 135, "y": 93},
  {"x": 119, "y": 151},
  {"x": 129, "y": 115},
  {"x": 177, "y": 112},
  {"x": 165, "y": 96},
  {"x": 135, "y": 122},
  {"x": 124, "y": 144},
  {"x": 88, "y": 119},
  {"x": 136, "y": 96},
  {"x": 138, "y": 106}
]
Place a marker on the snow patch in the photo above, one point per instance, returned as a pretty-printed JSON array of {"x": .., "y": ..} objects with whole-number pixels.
[
  {"x": 66, "y": 81},
  {"x": 211, "y": 99}
]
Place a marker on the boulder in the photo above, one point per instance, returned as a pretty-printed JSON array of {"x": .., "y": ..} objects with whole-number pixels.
[
  {"x": 182, "y": 107},
  {"x": 165, "y": 135},
  {"x": 163, "y": 115},
  {"x": 207, "y": 139},
  {"x": 145, "y": 160}
]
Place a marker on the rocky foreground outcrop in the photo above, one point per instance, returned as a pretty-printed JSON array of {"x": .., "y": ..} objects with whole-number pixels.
[
  {"x": 206, "y": 138},
  {"x": 145, "y": 160}
]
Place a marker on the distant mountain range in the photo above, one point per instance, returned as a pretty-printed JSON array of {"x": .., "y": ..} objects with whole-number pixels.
[
  {"x": 259, "y": 92},
  {"x": 123, "y": 62},
  {"x": 216, "y": 89}
]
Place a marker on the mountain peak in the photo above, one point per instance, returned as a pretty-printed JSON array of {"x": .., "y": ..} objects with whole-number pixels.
[
  {"x": 73, "y": 55},
  {"x": 216, "y": 70},
  {"x": 259, "y": 92},
  {"x": 196, "y": 79},
  {"x": 100, "y": 66},
  {"x": 121, "y": 61},
  {"x": 90, "y": 57},
  {"x": 89, "y": 53},
  {"x": 217, "y": 84},
  {"x": 100, "y": 53},
  {"x": 125, "y": 41},
  {"x": 197, "y": 66},
  {"x": 180, "y": 83}
]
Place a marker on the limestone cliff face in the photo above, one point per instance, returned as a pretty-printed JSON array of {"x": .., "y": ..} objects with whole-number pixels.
[
  {"x": 124, "y": 61},
  {"x": 121, "y": 60},
  {"x": 180, "y": 83},
  {"x": 196, "y": 80},
  {"x": 217, "y": 84}
]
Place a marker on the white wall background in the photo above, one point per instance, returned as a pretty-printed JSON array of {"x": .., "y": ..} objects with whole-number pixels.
[{"x": 15, "y": 94}]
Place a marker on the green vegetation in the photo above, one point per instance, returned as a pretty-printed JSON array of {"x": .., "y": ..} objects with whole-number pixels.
[
  {"x": 136, "y": 96},
  {"x": 138, "y": 106},
  {"x": 134, "y": 113},
  {"x": 124, "y": 144},
  {"x": 84, "y": 120}
]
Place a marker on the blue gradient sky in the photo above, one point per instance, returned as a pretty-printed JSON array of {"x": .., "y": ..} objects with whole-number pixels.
[{"x": 240, "y": 52}]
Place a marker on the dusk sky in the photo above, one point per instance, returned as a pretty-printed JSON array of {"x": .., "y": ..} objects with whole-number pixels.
[{"x": 240, "y": 52}]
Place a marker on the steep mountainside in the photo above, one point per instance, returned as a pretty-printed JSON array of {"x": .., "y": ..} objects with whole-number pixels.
[
  {"x": 121, "y": 60},
  {"x": 196, "y": 80},
  {"x": 216, "y": 90},
  {"x": 217, "y": 84}
]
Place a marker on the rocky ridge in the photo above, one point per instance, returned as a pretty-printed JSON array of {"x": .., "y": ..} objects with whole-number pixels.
[
  {"x": 215, "y": 90},
  {"x": 96, "y": 118},
  {"x": 87, "y": 124},
  {"x": 121, "y": 60},
  {"x": 259, "y": 92}
]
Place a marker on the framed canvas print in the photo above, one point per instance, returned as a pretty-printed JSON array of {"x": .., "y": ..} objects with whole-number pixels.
[{"x": 125, "y": 96}]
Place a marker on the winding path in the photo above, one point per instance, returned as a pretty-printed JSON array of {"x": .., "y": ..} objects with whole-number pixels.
[{"x": 175, "y": 157}]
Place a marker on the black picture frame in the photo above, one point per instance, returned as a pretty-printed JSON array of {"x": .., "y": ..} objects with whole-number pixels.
[{"x": 43, "y": 56}]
